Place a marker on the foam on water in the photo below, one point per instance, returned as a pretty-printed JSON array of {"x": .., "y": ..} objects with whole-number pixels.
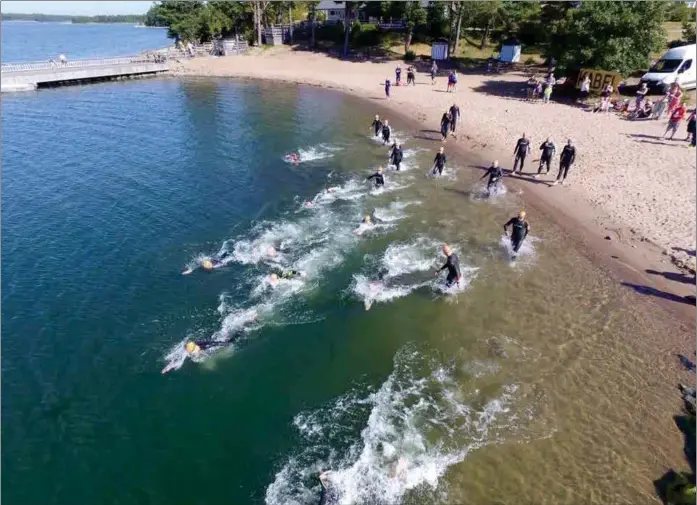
[
  {"x": 526, "y": 254},
  {"x": 319, "y": 152},
  {"x": 419, "y": 423},
  {"x": 394, "y": 211},
  {"x": 480, "y": 193}
]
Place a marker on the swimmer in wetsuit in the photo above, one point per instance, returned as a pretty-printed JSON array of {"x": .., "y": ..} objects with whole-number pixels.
[
  {"x": 194, "y": 347},
  {"x": 445, "y": 124},
  {"x": 439, "y": 162},
  {"x": 452, "y": 263},
  {"x": 454, "y": 117},
  {"x": 522, "y": 149},
  {"x": 495, "y": 174},
  {"x": 377, "y": 125},
  {"x": 396, "y": 155},
  {"x": 386, "y": 132},
  {"x": 379, "y": 178},
  {"x": 275, "y": 277},
  {"x": 208, "y": 264},
  {"x": 519, "y": 231}
]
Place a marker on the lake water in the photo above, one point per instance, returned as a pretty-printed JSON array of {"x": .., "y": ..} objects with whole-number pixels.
[
  {"x": 25, "y": 41},
  {"x": 537, "y": 381}
]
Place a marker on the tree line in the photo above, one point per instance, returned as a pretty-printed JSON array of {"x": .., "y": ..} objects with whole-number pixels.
[
  {"x": 612, "y": 35},
  {"x": 57, "y": 18}
]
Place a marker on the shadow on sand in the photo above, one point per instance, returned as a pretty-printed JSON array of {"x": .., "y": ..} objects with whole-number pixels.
[{"x": 646, "y": 290}]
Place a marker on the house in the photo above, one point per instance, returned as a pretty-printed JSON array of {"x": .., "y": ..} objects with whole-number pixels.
[
  {"x": 335, "y": 11},
  {"x": 691, "y": 5}
]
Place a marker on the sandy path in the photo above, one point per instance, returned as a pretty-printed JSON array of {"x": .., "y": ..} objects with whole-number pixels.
[{"x": 627, "y": 183}]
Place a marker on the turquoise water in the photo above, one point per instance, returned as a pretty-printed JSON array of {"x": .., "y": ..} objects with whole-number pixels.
[{"x": 24, "y": 41}]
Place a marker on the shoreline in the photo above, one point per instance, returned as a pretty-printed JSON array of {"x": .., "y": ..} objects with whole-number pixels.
[{"x": 627, "y": 255}]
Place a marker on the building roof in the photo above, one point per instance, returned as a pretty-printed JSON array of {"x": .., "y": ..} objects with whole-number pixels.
[{"x": 326, "y": 5}]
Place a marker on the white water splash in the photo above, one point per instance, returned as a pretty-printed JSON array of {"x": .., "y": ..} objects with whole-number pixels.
[
  {"x": 394, "y": 211},
  {"x": 418, "y": 424},
  {"x": 526, "y": 255},
  {"x": 314, "y": 153}
]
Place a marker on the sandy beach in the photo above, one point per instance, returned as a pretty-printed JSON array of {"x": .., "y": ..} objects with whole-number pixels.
[{"x": 631, "y": 195}]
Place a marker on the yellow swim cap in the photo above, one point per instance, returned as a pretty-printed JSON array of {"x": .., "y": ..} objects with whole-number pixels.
[
  {"x": 207, "y": 264},
  {"x": 367, "y": 219},
  {"x": 379, "y": 169},
  {"x": 191, "y": 347},
  {"x": 522, "y": 214}
]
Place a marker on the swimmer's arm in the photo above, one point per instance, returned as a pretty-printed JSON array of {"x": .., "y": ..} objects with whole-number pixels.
[
  {"x": 509, "y": 223},
  {"x": 370, "y": 177}
]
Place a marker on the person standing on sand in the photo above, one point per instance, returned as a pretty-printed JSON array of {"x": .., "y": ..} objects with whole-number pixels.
[
  {"x": 439, "y": 162},
  {"x": 674, "y": 121},
  {"x": 674, "y": 97},
  {"x": 454, "y": 116},
  {"x": 434, "y": 71},
  {"x": 585, "y": 89},
  {"x": 398, "y": 75},
  {"x": 387, "y": 88},
  {"x": 411, "y": 72},
  {"x": 691, "y": 128},
  {"x": 566, "y": 160},
  {"x": 548, "y": 149},
  {"x": 522, "y": 149},
  {"x": 445, "y": 125}
]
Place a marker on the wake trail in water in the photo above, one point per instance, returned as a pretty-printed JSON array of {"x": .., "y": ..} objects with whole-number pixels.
[
  {"x": 314, "y": 153},
  {"x": 403, "y": 437},
  {"x": 526, "y": 256}
]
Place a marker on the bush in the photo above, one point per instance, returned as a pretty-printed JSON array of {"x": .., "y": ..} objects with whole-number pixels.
[
  {"x": 367, "y": 36},
  {"x": 410, "y": 56},
  {"x": 688, "y": 32},
  {"x": 531, "y": 61}
]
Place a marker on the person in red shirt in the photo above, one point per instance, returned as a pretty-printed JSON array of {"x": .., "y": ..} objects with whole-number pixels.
[{"x": 675, "y": 117}]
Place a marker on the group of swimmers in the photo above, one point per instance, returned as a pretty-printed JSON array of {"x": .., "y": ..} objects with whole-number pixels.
[{"x": 566, "y": 159}]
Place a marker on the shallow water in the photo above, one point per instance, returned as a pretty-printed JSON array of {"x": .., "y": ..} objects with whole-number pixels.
[{"x": 535, "y": 381}]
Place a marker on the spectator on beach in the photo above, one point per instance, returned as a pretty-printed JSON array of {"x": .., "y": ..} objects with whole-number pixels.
[
  {"x": 674, "y": 97},
  {"x": 531, "y": 84},
  {"x": 452, "y": 81},
  {"x": 660, "y": 107},
  {"x": 190, "y": 48},
  {"x": 63, "y": 59},
  {"x": 549, "y": 85},
  {"x": 434, "y": 71},
  {"x": 674, "y": 121},
  {"x": 691, "y": 134},
  {"x": 387, "y": 88},
  {"x": 537, "y": 92},
  {"x": 640, "y": 95},
  {"x": 585, "y": 88},
  {"x": 411, "y": 73},
  {"x": 398, "y": 75}
]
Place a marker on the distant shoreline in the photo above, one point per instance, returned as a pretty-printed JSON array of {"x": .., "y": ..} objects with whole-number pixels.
[{"x": 57, "y": 18}]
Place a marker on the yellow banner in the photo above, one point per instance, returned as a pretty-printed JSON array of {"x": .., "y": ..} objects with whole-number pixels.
[{"x": 599, "y": 78}]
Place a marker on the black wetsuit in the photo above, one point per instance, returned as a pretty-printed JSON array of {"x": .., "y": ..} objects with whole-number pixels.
[
  {"x": 495, "y": 174},
  {"x": 377, "y": 125},
  {"x": 398, "y": 75},
  {"x": 566, "y": 159},
  {"x": 454, "y": 116},
  {"x": 519, "y": 232},
  {"x": 396, "y": 156},
  {"x": 379, "y": 179},
  {"x": 209, "y": 344},
  {"x": 453, "y": 266},
  {"x": 547, "y": 149},
  {"x": 521, "y": 151},
  {"x": 410, "y": 76},
  {"x": 287, "y": 274},
  {"x": 439, "y": 161},
  {"x": 445, "y": 124},
  {"x": 386, "y": 131}
]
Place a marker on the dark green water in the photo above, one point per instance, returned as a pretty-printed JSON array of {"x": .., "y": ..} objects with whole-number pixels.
[{"x": 109, "y": 191}]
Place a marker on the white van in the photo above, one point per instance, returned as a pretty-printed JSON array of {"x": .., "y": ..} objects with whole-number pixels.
[{"x": 677, "y": 65}]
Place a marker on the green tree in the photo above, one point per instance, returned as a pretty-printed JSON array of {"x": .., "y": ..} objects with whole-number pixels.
[
  {"x": 436, "y": 21},
  {"x": 679, "y": 12},
  {"x": 610, "y": 35},
  {"x": 412, "y": 14},
  {"x": 153, "y": 17},
  {"x": 688, "y": 31}
]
